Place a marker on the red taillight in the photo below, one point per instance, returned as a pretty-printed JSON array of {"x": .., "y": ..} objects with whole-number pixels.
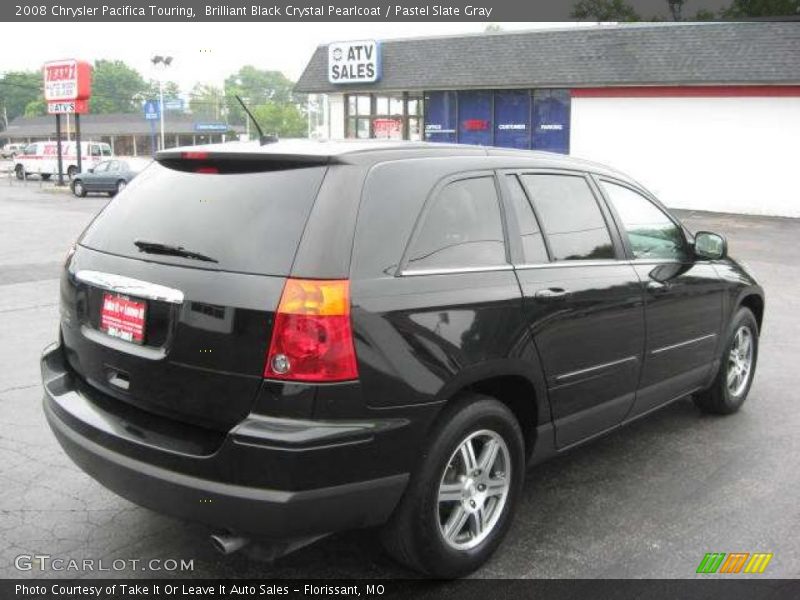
[
  {"x": 207, "y": 170},
  {"x": 194, "y": 155},
  {"x": 312, "y": 339}
]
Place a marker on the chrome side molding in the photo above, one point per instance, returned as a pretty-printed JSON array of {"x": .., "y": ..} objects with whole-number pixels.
[
  {"x": 684, "y": 343},
  {"x": 127, "y": 285}
]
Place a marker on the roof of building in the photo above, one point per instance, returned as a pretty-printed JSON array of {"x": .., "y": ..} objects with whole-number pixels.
[
  {"x": 621, "y": 55},
  {"x": 104, "y": 125}
]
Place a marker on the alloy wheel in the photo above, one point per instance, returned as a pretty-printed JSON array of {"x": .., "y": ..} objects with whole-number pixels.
[
  {"x": 740, "y": 360},
  {"x": 474, "y": 489}
]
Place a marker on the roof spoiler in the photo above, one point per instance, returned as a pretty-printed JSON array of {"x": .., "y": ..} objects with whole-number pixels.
[{"x": 204, "y": 161}]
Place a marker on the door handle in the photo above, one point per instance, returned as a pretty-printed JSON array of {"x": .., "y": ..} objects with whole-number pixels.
[{"x": 550, "y": 294}]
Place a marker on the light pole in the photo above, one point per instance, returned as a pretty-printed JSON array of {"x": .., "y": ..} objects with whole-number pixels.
[
  {"x": 675, "y": 7},
  {"x": 165, "y": 61}
]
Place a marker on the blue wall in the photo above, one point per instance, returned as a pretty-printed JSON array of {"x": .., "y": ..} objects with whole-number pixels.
[{"x": 538, "y": 119}]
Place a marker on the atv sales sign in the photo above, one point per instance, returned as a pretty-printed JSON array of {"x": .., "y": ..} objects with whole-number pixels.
[{"x": 354, "y": 62}]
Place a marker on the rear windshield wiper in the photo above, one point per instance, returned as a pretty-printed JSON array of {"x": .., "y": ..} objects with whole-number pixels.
[{"x": 171, "y": 250}]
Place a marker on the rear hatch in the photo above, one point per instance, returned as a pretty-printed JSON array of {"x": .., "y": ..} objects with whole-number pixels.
[{"x": 168, "y": 302}]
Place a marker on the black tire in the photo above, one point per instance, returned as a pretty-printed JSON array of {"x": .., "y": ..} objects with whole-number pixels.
[
  {"x": 45, "y": 176},
  {"x": 78, "y": 188},
  {"x": 413, "y": 535},
  {"x": 19, "y": 170},
  {"x": 719, "y": 398},
  {"x": 72, "y": 172}
]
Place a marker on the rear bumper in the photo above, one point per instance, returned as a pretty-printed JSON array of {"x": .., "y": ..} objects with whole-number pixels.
[{"x": 153, "y": 470}]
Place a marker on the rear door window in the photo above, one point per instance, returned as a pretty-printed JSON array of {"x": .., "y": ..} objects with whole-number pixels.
[
  {"x": 571, "y": 217},
  {"x": 246, "y": 222},
  {"x": 461, "y": 229}
]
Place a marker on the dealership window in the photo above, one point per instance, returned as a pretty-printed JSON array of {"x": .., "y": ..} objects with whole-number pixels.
[
  {"x": 385, "y": 116},
  {"x": 512, "y": 119},
  {"x": 520, "y": 118},
  {"x": 551, "y": 120},
  {"x": 475, "y": 118},
  {"x": 414, "y": 106},
  {"x": 441, "y": 116}
]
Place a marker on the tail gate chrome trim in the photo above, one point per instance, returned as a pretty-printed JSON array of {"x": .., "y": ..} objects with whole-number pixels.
[{"x": 129, "y": 286}]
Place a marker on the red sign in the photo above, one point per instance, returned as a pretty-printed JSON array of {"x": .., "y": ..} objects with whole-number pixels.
[
  {"x": 476, "y": 125},
  {"x": 67, "y": 80},
  {"x": 123, "y": 318},
  {"x": 388, "y": 128}
]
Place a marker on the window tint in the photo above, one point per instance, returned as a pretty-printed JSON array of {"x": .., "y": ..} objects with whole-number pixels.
[
  {"x": 250, "y": 222},
  {"x": 106, "y": 149},
  {"x": 462, "y": 228},
  {"x": 95, "y": 150},
  {"x": 650, "y": 232},
  {"x": 30, "y": 150},
  {"x": 102, "y": 167},
  {"x": 113, "y": 165},
  {"x": 533, "y": 249},
  {"x": 570, "y": 217}
]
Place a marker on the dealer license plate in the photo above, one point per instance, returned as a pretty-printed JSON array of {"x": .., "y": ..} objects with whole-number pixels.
[{"x": 123, "y": 318}]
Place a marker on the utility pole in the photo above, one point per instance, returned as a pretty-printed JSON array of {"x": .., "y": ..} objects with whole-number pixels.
[
  {"x": 165, "y": 61},
  {"x": 161, "y": 108}
]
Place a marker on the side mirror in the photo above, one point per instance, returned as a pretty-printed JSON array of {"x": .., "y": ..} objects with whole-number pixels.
[
  {"x": 711, "y": 246},
  {"x": 90, "y": 170}
]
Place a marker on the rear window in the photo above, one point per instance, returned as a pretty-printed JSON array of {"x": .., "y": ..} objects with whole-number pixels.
[{"x": 249, "y": 223}]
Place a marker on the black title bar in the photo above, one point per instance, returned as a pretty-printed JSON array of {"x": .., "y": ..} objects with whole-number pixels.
[{"x": 344, "y": 10}]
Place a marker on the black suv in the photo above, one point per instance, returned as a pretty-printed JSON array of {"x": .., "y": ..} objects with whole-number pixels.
[{"x": 288, "y": 340}]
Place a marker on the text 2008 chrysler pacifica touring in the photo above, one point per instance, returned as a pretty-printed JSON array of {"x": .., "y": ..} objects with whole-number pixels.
[{"x": 295, "y": 339}]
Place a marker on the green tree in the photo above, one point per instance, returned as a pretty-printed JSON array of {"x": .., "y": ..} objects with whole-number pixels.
[
  {"x": 761, "y": 8},
  {"x": 704, "y": 15},
  {"x": 604, "y": 10},
  {"x": 257, "y": 87},
  {"x": 114, "y": 86},
  {"x": 207, "y": 102},
  {"x": 17, "y": 90},
  {"x": 36, "y": 108},
  {"x": 284, "y": 119},
  {"x": 171, "y": 90}
]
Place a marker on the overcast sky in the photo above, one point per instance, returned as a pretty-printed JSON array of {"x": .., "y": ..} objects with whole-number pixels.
[{"x": 206, "y": 52}]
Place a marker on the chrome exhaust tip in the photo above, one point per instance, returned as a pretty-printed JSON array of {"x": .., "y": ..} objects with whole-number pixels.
[{"x": 228, "y": 543}]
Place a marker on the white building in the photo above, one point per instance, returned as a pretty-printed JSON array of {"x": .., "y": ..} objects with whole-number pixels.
[{"x": 706, "y": 115}]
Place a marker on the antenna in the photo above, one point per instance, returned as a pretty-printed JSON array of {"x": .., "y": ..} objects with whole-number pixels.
[{"x": 263, "y": 139}]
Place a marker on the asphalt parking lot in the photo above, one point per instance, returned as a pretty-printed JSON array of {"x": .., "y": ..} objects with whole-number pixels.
[{"x": 645, "y": 502}]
